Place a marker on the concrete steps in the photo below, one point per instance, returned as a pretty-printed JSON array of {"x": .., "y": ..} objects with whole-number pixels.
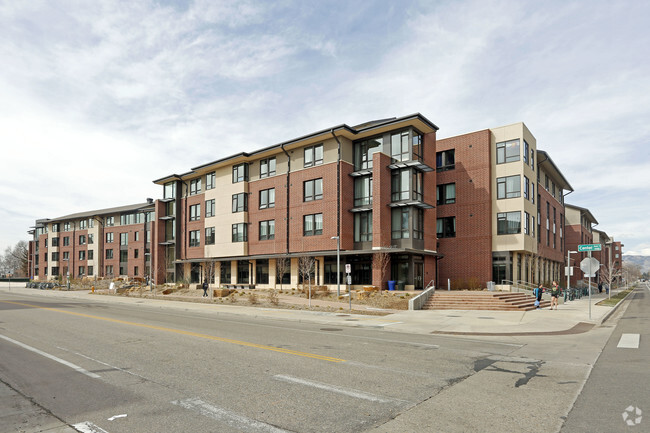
[{"x": 478, "y": 300}]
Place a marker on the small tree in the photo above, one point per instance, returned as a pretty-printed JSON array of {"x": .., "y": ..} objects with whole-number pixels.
[
  {"x": 282, "y": 265},
  {"x": 306, "y": 267},
  {"x": 380, "y": 261}
]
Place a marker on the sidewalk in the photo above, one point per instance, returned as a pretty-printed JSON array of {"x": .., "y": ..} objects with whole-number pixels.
[{"x": 570, "y": 317}]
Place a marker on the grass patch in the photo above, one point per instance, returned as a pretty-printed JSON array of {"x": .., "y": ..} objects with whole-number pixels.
[{"x": 614, "y": 299}]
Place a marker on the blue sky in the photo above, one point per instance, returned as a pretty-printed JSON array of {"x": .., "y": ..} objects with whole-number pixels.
[{"x": 97, "y": 99}]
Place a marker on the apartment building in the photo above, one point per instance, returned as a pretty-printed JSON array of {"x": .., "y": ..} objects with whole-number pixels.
[
  {"x": 579, "y": 228},
  {"x": 500, "y": 209},
  {"x": 101, "y": 243},
  {"x": 355, "y": 192}
]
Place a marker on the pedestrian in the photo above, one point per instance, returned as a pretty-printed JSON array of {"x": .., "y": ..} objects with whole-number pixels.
[
  {"x": 538, "y": 295},
  {"x": 205, "y": 288},
  {"x": 600, "y": 287},
  {"x": 555, "y": 293}
]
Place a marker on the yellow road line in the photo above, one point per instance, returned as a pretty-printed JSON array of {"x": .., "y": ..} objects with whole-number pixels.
[{"x": 189, "y": 333}]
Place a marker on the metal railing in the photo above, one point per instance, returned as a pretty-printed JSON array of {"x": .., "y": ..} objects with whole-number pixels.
[{"x": 418, "y": 302}]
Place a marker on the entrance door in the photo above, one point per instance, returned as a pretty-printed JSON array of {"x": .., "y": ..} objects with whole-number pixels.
[{"x": 418, "y": 275}]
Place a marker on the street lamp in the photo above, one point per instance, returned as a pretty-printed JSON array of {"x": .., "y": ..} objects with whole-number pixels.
[
  {"x": 568, "y": 270},
  {"x": 338, "y": 265}
]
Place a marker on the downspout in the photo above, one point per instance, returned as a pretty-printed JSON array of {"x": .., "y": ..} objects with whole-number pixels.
[
  {"x": 338, "y": 186},
  {"x": 288, "y": 195}
]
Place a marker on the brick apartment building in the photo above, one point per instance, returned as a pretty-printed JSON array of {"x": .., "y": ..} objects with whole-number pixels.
[{"x": 498, "y": 214}]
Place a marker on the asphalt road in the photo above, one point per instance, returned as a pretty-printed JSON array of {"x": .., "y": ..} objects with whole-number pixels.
[
  {"x": 113, "y": 367},
  {"x": 616, "y": 398}
]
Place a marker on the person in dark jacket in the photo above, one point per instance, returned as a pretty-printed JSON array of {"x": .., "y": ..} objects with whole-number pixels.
[
  {"x": 538, "y": 295},
  {"x": 205, "y": 288}
]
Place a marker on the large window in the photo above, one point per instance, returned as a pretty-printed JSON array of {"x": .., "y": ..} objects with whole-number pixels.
[
  {"x": 109, "y": 221},
  {"x": 195, "y": 186},
  {"x": 313, "y": 224},
  {"x": 313, "y": 155},
  {"x": 446, "y": 227},
  {"x": 363, "y": 227},
  {"x": 508, "y": 223},
  {"x": 225, "y": 273},
  {"x": 195, "y": 212},
  {"x": 209, "y": 180},
  {"x": 446, "y": 194},
  {"x": 195, "y": 238},
  {"x": 313, "y": 189},
  {"x": 400, "y": 223},
  {"x": 363, "y": 151},
  {"x": 239, "y": 202},
  {"x": 240, "y": 232},
  {"x": 262, "y": 271},
  {"x": 508, "y": 151},
  {"x": 267, "y": 198},
  {"x": 109, "y": 238},
  {"x": 209, "y": 236},
  {"x": 267, "y": 167},
  {"x": 406, "y": 184},
  {"x": 418, "y": 223},
  {"x": 509, "y": 187},
  {"x": 240, "y": 173},
  {"x": 363, "y": 191},
  {"x": 124, "y": 238},
  {"x": 109, "y": 254},
  {"x": 399, "y": 146},
  {"x": 267, "y": 230},
  {"x": 526, "y": 223},
  {"x": 169, "y": 190},
  {"x": 445, "y": 160},
  {"x": 209, "y": 208}
]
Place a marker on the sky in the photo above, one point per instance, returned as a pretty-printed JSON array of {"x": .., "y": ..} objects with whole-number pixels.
[{"x": 100, "y": 98}]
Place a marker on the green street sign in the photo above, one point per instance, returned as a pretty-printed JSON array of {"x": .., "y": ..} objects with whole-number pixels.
[{"x": 589, "y": 247}]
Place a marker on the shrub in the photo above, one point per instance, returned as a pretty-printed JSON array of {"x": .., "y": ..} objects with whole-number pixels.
[
  {"x": 273, "y": 297},
  {"x": 252, "y": 298}
]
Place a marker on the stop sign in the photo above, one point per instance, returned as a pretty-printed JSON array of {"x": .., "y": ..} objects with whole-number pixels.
[{"x": 589, "y": 266}]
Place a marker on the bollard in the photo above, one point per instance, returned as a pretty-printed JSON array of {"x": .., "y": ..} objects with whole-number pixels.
[{"x": 92, "y": 288}]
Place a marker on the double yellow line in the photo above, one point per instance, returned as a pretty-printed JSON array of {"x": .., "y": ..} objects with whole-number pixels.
[{"x": 188, "y": 333}]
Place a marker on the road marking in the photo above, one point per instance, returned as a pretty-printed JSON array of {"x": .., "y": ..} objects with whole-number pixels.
[
  {"x": 116, "y": 417},
  {"x": 188, "y": 333},
  {"x": 339, "y": 390},
  {"x": 52, "y": 357},
  {"x": 629, "y": 341},
  {"x": 225, "y": 416},
  {"x": 88, "y": 427}
]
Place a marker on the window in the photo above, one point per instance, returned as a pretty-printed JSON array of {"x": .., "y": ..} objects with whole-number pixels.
[
  {"x": 195, "y": 212},
  {"x": 135, "y": 271},
  {"x": 169, "y": 190},
  {"x": 400, "y": 223},
  {"x": 313, "y": 155},
  {"x": 91, "y": 239},
  {"x": 109, "y": 270},
  {"x": 445, "y": 160},
  {"x": 124, "y": 238},
  {"x": 91, "y": 255},
  {"x": 526, "y": 190},
  {"x": 313, "y": 224},
  {"x": 406, "y": 185},
  {"x": 508, "y": 151},
  {"x": 124, "y": 256},
  {"x": 82, "y": 255},
  {"x": 243, "y": 271},
  {"x": 55, "y": 242},
  {"x": 66, "y": 255},
  {"x": 508, "y": 223},
  {"x": 55, "y": 227},
  {"x": 526, "y": 223},
  {"x": 136, "y": 253},
  {"x": 508, "y": 187},
  {"x": 267, "y": 230},
  {"x": 399, "y": 146},
  {"x": 239, "y": 202},
  {"x": 109, "y": 238},
  {"x": 209, "y": 236},
  {"x": 532, "y": 226},
  {"x": 109, "y": 254},
  {"x": 83, "y": 224},
  {"x": 446, "y": 194},
  {"x": 364, "y": 150},
  {"x": 136, "y": 236},
  {"x": 82, "y": 271},
  {"x": 446, "y": 227},
  {"x": 209, "y": 208},
  {"x": 313, "y": 189},
  {"x": 532, "y": 159},
  {"x": 240, "y": 232},
  {"x": 55, "y": 256},
  {"x": 225, "y": 273},
  {"x": 526, "y": 147},
  {"x": 532, "y": 192},
  {"x": 109, "y": 221},
  {"x": 418, "y": 223},
  {"x": 262, "y": 271},
  {"x": 209, "y": 180},
  {"x": 240, "y": 173},
  {"x": 195, "y": 238},
  {"x": 66, "y": 241},
  {"x": 91, "y": 270},
  {"x": 66, "y": 227},
  {"x": 195, "y": 186},
  {"x": 363, "y": 191},
  {"x": 363, "y": 226},
  {"x": 416, "y": 146},
  {"x": 267, "y": 167},
  {"x": 267, "y": 198}
]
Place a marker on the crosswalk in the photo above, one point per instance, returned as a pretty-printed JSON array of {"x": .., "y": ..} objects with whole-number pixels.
[{"x": 629, "y": 341}]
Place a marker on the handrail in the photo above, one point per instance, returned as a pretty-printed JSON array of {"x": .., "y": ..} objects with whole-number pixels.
[{"x": 417, "y": 302}]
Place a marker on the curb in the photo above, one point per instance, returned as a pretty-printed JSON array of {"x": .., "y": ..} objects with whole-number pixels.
[{"x": 615, "y": 307}]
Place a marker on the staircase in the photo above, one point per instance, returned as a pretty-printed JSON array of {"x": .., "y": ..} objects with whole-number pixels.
[{"x": 475, "y": 300}]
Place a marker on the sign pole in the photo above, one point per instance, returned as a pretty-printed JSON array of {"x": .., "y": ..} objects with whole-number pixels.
[{"x": 590, "y": 270}]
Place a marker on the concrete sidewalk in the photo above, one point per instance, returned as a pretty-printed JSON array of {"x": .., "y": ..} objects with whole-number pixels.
[{"x": 570, "y": 317}]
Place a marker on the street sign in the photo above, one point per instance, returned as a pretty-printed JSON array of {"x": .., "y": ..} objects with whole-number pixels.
[
  {"x": 568, "y": 271},
  {"x": 348, "y": 268},
  {"x": 589, "y": 247},
  {"x": 589, "y": 266}
]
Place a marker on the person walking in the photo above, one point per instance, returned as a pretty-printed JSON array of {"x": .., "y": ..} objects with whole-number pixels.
[
  {"x": 555, "y": 293},
  {"x": 205, "y": 288},
  {"x": 538, "y": 295}
]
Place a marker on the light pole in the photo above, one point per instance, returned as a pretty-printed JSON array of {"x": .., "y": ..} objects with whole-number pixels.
[
  {"x": 568, "y": 270},
  {"x": 338, "y": 265}
]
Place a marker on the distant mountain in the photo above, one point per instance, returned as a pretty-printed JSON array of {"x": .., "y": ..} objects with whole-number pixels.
[{"x": 642, "y": 261}]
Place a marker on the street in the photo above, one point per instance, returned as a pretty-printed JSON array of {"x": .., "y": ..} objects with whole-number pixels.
[{"x": 103, "y": 366}]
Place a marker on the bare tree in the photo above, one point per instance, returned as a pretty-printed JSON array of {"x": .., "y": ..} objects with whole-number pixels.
[
  {"x": 282, "y": 265},
  {"x": 380, "y": 261},
  {"x": 210, "y": 270},
  {"x": 306, "y": 266},
  {"x": 15, "y": 260}
]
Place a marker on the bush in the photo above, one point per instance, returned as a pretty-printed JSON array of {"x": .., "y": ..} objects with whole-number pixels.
[
  {"x": 273, "y": 297},
  {"x": 252, "y": 298}
]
